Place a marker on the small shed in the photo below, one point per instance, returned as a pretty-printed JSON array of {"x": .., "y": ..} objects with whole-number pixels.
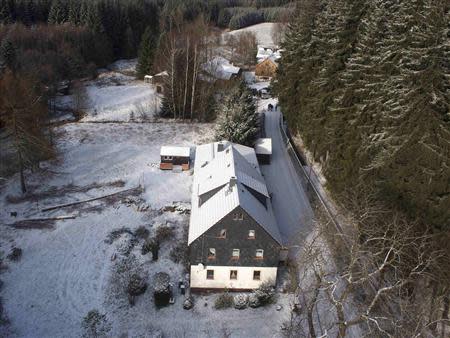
[
  {"x": 148, "y": 79},
  {"x": 263, "y": 150},
  {"x": 173, "y": 155},
  {"x": 158, "y": 81}
]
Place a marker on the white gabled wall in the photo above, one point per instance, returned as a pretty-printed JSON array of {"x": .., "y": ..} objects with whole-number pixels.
[{"x": 222, "y": 277}]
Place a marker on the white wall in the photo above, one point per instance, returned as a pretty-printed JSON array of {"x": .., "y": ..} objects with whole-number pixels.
[{"x": 222, "y": 277}]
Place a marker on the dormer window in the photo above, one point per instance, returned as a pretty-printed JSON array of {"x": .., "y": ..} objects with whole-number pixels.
[
  {"x": 239, "y": 216},
  {"x": 251, "y": 234},
  {"x": 235, "y": 254},
  {"x": 223, "y": 233},
  {"x": 211, "y": 253},
  {"x": 259, "y": 254}
]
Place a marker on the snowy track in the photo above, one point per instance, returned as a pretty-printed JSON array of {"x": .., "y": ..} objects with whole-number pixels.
[{"x": 291, "y": 205}]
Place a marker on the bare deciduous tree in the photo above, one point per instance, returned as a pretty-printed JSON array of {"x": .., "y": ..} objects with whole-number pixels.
[
  {"x": 375, "y": 286},
  {"x": 24, "y": 114}
]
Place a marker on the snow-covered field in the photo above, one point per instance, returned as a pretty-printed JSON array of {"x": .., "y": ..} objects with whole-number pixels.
[
  {"x": 69, "y": 267},
  {"x": 115, "y": 95},
  {"x": 263, "y": 32}
]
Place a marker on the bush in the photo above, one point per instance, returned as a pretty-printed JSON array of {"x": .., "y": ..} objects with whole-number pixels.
[
  {"x": 164, "y": 233},
  {"x": 95, "y": 325},
  {"x": 15, "y": 255},
  {"x": 142, "y": 232},
  {"x": 161, "y": 289},
  {"x": 179, "y": 253},
  {"x": 265, "y": 293},
  {"x": 151, "y": 245},
  {"x": 136, "y": 285},
  {"x": 224, "y": 301},
  {"x": 253, "y": 301},
  {"x": 240, "y": 301}
]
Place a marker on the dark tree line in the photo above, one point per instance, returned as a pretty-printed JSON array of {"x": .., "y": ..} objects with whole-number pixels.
[
  {"x": 121, "y": 22},
  {"x": 366, "y": 85}
]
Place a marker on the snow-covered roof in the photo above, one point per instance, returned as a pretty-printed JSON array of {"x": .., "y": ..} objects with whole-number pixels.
[
  {"x": 227, "y": 176},
  {"x": 175, "y": 151},
  {"x": 220, "y": 68},
  {"x": 164, "y": 73},
  {"x": 263, "y": 146},
  {"x": 265, "y": 52}
]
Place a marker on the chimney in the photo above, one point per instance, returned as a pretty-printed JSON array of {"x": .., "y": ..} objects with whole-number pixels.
[
  {"x": 220, "y": 147},
  {"x": 233, "y": 181}
]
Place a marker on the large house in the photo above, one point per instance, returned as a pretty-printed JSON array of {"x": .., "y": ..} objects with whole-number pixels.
[
  {"x": 266, "y": 69},
  {"x": 234, "y": 241}
]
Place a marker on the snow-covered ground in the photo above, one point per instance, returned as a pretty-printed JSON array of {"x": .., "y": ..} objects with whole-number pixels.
[
  {"x": 69, "y": 267},
  {"x": 115, "y": 95},
  {"x": 263, "y": 32}
]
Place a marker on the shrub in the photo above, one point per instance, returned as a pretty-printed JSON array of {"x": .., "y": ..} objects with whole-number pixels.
[
  {"x": 136, "y": 285},
  {"x": 142, "y": 232},
  {"x": 253, "y": 301},
  {"x": 161, "y": 289},
  {"x": 164, "y": 233},
  {"x": 95, "y": 325},
  {"x": 240, "y": 301},
  {"x": 179, "y": 253},
  {"x": 151, "y": 245},
  {"x": 15, "y": 255},
  {"x": 265, "y": 293},
  {"x": 224, "y": 301},
  {"x": 116, "y": 233}
]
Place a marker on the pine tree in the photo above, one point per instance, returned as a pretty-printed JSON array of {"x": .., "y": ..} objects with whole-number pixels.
[
  {"x": 147, "y": 50},
  {"x": 5, "y": 13},
  {"x": 29, "y": 13},
  {"x": 58, "y": 12},
  {"x": 8, "y": 54},
  {"x": 94, "y": 18},
  {"x": 74, "y": 12}
]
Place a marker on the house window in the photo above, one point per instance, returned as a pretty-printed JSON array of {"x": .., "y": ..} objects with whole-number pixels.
[
  {"x": 223, "y": 233},
  {"x": 209, "y": 274},
  {"x": 233, "y": 274},
  {"x": 211, "y": 253},
  {"x": 259, "y": 253},
  {"x": 235, "y": 254},
  {"x": 251, "y": 234},
  {"x": 256, "y": 275},
  {"x": 239, "y": 216}
]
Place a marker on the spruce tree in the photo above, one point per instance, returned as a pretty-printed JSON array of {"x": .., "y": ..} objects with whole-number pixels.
[
  {"x": 58, "y": 12},
  {"x": 238, "y": 119},
  {"x": 5, "y": 13},
  {"x": 8, "y": 54},
  {"x": 147, "y": 50}
]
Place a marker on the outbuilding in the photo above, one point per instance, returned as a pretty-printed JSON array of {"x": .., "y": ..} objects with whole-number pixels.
[
  {"x": 173, "y": 155},
  {"x": 263, "y": 150}
]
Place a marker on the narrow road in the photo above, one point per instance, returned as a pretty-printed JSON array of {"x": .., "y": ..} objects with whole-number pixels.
[{"x": 290, "y": 203}]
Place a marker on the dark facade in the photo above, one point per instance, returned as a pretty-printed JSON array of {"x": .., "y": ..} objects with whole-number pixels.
[
  {"x": 175, "y": 160},
  {"x": 237, "y": 237},
  {"x": 263, "y": 158}
]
